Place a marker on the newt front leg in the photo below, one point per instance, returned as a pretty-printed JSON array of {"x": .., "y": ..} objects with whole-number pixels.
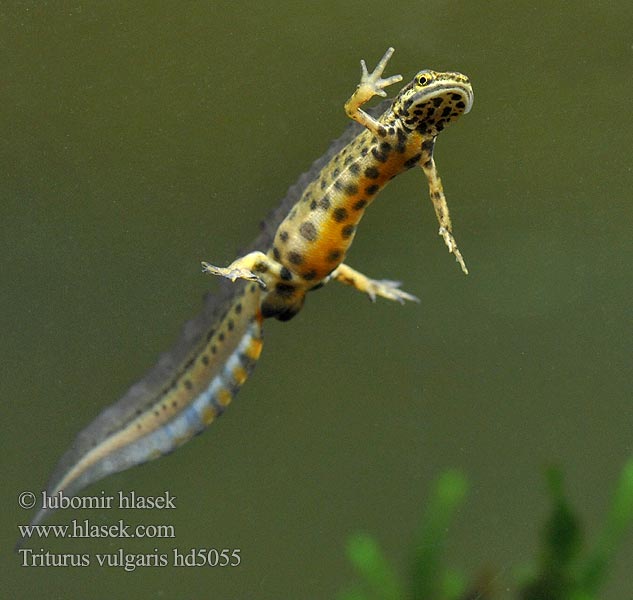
[
  {"x": 440, "y": 205},
  {"x": 371, "y": 84}
]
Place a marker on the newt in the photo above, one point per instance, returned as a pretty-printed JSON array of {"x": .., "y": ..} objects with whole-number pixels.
[{"x": 301, "y": 247}]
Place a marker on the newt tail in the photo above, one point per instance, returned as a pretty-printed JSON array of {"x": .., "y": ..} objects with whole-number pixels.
[{"x": 180, "y": 397}]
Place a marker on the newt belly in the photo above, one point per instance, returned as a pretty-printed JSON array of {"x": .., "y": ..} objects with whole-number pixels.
[{"x": 301, "y": 247}]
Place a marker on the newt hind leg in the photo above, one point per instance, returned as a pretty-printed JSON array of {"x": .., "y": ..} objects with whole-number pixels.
[
  {"x": 384, "y": 288},
  {"x": 255, "y": 266}
]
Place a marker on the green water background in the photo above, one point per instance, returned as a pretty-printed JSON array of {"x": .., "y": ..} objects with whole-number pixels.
[{"x": 139, "y": 138}]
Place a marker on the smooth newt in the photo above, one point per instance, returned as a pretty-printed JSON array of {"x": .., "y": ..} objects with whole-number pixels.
[{"x": 301, "y": 247}]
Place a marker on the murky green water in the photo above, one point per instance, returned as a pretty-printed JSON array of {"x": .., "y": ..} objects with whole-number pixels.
[{"x": 140, "y": 138}]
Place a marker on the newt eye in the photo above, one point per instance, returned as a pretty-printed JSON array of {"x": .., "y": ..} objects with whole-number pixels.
[{"x": 423, "y": 80}]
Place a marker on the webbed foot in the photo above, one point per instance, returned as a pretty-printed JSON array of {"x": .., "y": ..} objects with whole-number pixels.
[
  {"x": 233, "y": 273},
  {"x": 387, "y": 288}
]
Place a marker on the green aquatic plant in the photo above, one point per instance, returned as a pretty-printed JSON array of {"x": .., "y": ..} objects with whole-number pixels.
[
  {"x": 379, "y": 581},
  {"x": 565, "y": 569}
]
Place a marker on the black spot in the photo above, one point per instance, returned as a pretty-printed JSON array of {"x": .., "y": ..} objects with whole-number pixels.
[
  {"x": 354, "y": 169},
  {"x": 174, "y": 403},
  {"x": 360, "y": 204},
  {"x": 379, "y": 156},
  {"x": 231, "y": 325},
  {"x": 210, "y": 334},
  {"x": 437, "y": 101},
  {"x": 283, "y": 236},
  {"x": 339, "y": 214},
  {"x": 402, "y": 139},
  {"x": 456, "y": 97},
  {"x": 385, "y": 147},
  {"x": 336, "y": 173},
  {"x": 446, "y": 111},
  {"x": 372, "y": 189},
  {"x": 238, "y": 308},
  {"x": 285, "y": 274},
  {"x": 411, "y": 162},
  {"x": 334, "y": 255},
  {"x": 221, "y": 337},
  {"x": 308, "y": 231},
  {"x": 418, "y": 112},
  {"x": 253, "y": 288},
  {"x": 188, "y": 384},
  {"x": 276, "y": 253},
  {"x": 245, "y": 361},
  {"x": 309, "y": 275},
  {"x": 461, "y": 105},
  {"x": 313, "y": 205},
  {"x": 338, "y": 184},
  {"x": 260, "y": 267},
  {"x": 295, "y": 258},
  {"x": 214, "y": 349},
  {"x": 323, "y": 183},
  {"x": 293, "y": 213},
  {"x": 347, "y": 231},
  {"x": 285, "y": 289},
  {"x": 372, "y": 173},
  {"x": 205, "y": 359},
  {"x": 324, "y": 203},
  {"x": 364, "y": 151},
  {"x": 348, "y": 160},
  {"x": 427, "y": 146},
  {"x": 351, "y": 189}
]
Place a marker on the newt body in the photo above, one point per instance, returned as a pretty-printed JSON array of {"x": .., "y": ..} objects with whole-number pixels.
[
  {"x": 311, "y": 243},
  {"x": 301, "y": 247}
]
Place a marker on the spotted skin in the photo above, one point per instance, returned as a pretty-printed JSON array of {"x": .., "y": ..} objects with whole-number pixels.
[
  {"x": 301, "y": 247},
  {"x": 311, "y": 243}
]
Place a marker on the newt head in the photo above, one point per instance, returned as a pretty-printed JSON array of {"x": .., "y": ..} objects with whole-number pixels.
[{"x": 432, "y": 100}]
